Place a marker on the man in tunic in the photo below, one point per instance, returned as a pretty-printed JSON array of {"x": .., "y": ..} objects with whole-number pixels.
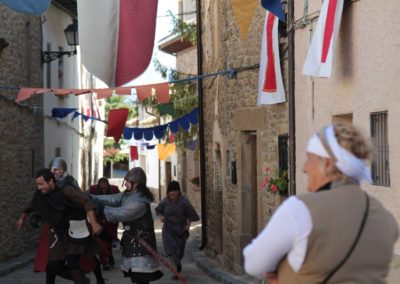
[
  {"x": 65, "y": 211},
  {"x": 132, "y": 208},
  {"x": 177, "y": 213}
]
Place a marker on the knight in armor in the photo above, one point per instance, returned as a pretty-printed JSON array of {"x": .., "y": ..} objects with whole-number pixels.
[
  {"x": 59, "y": 168},
  {"x": 132, "y": 208}
]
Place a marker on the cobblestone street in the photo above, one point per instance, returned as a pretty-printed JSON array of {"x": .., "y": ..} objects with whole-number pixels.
[{"x": 115, "y": 276}]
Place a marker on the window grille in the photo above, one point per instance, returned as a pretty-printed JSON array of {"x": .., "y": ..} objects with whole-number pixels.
[
  {"x": 283, "y": 152},
  {"x": 380, "y": 160}
]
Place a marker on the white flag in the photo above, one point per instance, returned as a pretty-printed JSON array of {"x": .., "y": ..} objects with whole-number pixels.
[
  {"x": 320, "y": 54},
  {"x": 270, "y": 84}
]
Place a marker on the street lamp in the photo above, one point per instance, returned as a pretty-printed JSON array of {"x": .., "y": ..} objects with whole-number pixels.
[{"x": 72, "y": 36}]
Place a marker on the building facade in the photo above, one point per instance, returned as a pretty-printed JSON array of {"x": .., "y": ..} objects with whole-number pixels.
[
  {"x": 30, "y": 136},
  {"x": 78, "y": 141},
  {"x": 362, "y": 90},
  {"x": 185, "y": 51},
  {"x": 21, "y": 125},
  {"x": 241, "y": 138}
]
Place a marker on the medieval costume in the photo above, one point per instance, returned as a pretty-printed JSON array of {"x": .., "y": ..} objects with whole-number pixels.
[
  {"x": 110, "y": 229},
  {"x": 176, "y": 215},
  {"x": 132, "y": 208},
  {"x": 63, "y": 213}
]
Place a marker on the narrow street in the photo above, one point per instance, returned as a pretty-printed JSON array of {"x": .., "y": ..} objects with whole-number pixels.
[{"x": 115, "y": 276}]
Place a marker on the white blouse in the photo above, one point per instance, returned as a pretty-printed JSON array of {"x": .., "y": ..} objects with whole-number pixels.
[{"x": 285, "y": 234}]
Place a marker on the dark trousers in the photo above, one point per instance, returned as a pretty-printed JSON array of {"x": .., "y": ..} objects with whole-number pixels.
[{"x": 55, "y": 268}]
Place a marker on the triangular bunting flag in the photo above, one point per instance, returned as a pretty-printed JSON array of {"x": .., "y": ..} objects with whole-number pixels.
[{"x": 116, "y": 122}]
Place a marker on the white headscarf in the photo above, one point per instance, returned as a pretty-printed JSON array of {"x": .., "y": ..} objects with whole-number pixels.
[{"x": 346, "y": 162}]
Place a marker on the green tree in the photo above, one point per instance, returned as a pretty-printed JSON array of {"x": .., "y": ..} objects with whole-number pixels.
[{"x": 116, "y": 102}]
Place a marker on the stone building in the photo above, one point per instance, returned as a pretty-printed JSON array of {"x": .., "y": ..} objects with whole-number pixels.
[
  {"x": 21, "y": 125},
  {"x": 241, "y": 138},
  {"x": 30, "y": 137}
]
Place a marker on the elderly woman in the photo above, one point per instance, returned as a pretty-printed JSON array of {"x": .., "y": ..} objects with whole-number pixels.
[
  {"x": 132, "y": 208},
  {"x": 336, "y": 233}
]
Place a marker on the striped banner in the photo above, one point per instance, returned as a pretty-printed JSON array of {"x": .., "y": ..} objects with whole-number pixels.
[
  {"x": 319, "y": 58},
  {"x": 270, "y": 84}
]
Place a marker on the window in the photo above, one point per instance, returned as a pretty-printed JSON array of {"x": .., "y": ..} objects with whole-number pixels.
[
  {"x": 60, "y": 75},
  {"x": 57, "y": 152},
  {"x": 343, "y": 118},
  {"x": 283, "y": 152},
  {"x": 227, "y": 164},
  {"x": 380, "y": 149}
]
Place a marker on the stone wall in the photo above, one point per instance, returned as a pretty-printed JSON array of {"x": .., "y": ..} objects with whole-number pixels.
[
  {"x": 21, "y": 127},
  {"x": 223, "y": 48}
]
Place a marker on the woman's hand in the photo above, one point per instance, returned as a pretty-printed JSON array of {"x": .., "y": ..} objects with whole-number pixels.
[{"x": 162, "y": 219}]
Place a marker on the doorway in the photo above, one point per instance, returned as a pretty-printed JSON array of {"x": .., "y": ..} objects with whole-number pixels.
[
  {"x": 168, "y": 173},
  {"x": 248, "y": 172}
]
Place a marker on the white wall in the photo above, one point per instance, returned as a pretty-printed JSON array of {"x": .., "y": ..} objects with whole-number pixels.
[
  {"x": 70, "y": 136},
  {"x": 364, "y": 80}
]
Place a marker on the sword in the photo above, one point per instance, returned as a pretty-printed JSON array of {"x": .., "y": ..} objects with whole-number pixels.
[{"x": 160, "y": 258}]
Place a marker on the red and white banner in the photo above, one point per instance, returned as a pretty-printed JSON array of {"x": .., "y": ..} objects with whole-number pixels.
[
  {"x": 116, "y": 38},
  {"x": 270, "y": 84},
  {"x": 320, "y": 54}
]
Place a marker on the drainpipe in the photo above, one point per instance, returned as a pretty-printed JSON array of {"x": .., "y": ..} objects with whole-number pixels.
[
  {"x": 201, "y": 128},
  {"x": 159, "y": 162},
  {"x": 292, "y": 116}
]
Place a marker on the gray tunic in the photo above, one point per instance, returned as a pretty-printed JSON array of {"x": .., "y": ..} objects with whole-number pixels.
[
  {"x": 174, "y": 230},
  {"x": 127, "y": 207}
]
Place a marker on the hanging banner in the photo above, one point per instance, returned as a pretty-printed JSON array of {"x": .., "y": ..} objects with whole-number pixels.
[
  {"x": 34, "y": 7},
  {"x": 61, "y": 112},
  {"x": 116, "y": 122},
  {"x": 164, "y": 109},
  {"x": 133, "y": 153},
  {"x": 244, "y": 11},
  {"x": 275, "y": 7},
  {"x": 165, "y": 150},
  {"x": 184, "y": 122},
  {"x": 319, "y": 58},
  {"x": 122, "y": 31},
  {"x": 142, "y": 91},
  {"x": 270, "y": 84}
]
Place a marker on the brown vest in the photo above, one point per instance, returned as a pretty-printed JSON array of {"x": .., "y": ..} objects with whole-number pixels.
[{"x": 336, "y": 217}]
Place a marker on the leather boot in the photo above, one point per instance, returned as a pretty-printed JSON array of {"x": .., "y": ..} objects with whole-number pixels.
[{"x": 79, "y": 277}]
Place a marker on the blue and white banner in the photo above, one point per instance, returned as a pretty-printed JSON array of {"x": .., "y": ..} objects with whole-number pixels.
[{"x": 35, "y": 7}]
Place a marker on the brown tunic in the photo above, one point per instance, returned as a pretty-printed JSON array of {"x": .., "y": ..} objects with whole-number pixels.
[
  {"x": 59, "y": 246},
  {"x": 336, "y": 216}
]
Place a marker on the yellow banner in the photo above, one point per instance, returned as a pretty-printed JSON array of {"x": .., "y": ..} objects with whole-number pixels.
[
  {"x": 164, "y": 150},
  {"x": 244, "y": 11}
]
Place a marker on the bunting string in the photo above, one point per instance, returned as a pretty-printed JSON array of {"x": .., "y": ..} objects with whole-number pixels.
[
  {"x": 230, "y": 73},
  {"x": 184, "y": 122}
]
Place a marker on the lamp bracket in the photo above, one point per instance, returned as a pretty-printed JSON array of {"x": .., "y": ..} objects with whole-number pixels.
[{"x": 49, "y": 56}]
